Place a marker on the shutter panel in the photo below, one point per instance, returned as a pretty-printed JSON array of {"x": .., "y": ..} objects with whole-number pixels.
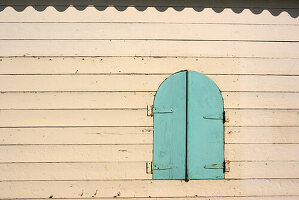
[
  {"x": 169, "y": 154},
  {"x": 205, "y": 138},
  {"x": 188, "y": 128}
]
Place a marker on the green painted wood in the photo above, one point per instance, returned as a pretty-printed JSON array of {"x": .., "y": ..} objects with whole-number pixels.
[
  {"x": 188, "y": 128},
  {"x": 169, "y": 154},
  {"x": 205, "y": 137}
]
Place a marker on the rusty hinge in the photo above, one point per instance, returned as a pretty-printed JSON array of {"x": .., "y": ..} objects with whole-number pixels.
[
  {"x": 149, "y": 168},
  {"x": 216, "y": 117},
  {"x": 225, "y": 166},
  {"x": 214, "y": 166},
  {"x": 150, "y": 110}
]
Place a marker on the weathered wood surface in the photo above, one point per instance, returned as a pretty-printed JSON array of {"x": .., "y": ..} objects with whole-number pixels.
[
  {"x": 146, "y": 65},
  {"x": 133, "y": 170},
  {"x": 230, "y": 49},
  {"x": 135, "y": 117},
  {"x": 137, "y": 135},
  {"x": 152, "y": 15},
  {"x": 110, "y": 153},
  {"x": 146, "y": 188},
  {"x": 140, "y": 83},
  {"x": 125, "y": 31}
]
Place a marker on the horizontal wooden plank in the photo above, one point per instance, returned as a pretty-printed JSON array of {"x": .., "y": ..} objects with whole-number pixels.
[
  {"x": 146, "y": 188},
  {"x": 140, "y": 83},
  {"x": 74, "y": 171},
  {"x": 15, "y": 118},
  {"x": 234, "y": 117},
  {"x": 260, "y": 100},
  {"x": 250, "y": 117},
  {"x": 121, "y": 100},
  {"x": 262, "y": 135},
  {"x": 77, "y": 100},
  {"x": 132, "y": 170},
  {"x": 75, "y": 153},
  {"x": 111, "y": 153},
  {"x": 149, "y": 48},
  {"x": 146, "y": 65},
  {"x": 262, "y": 152},
  {"x": 78, "y": 135},
  {"x": 240, "y": 170},
  {"x": 143, "y": 31},
  {"x": 137, "y": 135},
  {"x": 151, "y": 14}
]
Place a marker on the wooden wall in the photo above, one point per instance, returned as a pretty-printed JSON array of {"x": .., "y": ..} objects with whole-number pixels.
[{"x": 75, "y": 87}]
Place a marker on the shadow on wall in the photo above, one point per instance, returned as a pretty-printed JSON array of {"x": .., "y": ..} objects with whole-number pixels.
[{"x": 275, "y": 7}]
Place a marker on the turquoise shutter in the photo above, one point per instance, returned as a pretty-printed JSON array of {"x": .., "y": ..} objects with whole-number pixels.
[
  {"x": 205, "y": 139},
  {"x": 169, "y": 154},
  {"x": 188, "y": 128}
]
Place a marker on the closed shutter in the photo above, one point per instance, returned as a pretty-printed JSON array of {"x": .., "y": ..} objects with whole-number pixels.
[{"x": 188, "y": 128}]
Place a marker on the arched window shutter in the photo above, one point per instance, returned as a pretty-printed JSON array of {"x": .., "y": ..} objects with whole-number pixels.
[{"x": 188, "y": 128}]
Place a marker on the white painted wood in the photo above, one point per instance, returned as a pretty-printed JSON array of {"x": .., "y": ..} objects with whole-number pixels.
[
  {"x": 261, "y": 152},
  {"x": 104, "y": 100},
  {"x": 263, "y": 170},
  {"x": 261, "y": 134},
  {"x": 149, "y": 48},
  {"x": 77, "y": 100},
  {"x": 131, "y": 14},
  {"x": 137, "y": 135},
  {"x": 111, "y": 153},
  {"x": 11, "y": 118},
  {"x": 140, "y": 82},
  {"x": 74, "y": 171},
  {"x": 143, "y": 31},
  {"x": 146, "y": 188},
  {"x": 148, "y": 65},
  {"x": 234, "y": 117},
  {"x": 75, "y": 153},
  {"x": 260, "y": 100},
  {"x": 77, "y": 135},
  {"x": 250, "y": 117},
  {"x": 133, "y": 170}
]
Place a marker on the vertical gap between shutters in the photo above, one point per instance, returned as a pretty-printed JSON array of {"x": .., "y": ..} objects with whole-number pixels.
[{"x": 187, "y": 93}]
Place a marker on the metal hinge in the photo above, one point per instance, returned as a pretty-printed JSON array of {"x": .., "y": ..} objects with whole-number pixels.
[
  {"x": 149, "y": 167},
  {"x": 150, "y": 110},
  {"x": 225, "y": 165},
  {"x": 162, "y": 110},
  {"x": 216, "y": 117}
]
